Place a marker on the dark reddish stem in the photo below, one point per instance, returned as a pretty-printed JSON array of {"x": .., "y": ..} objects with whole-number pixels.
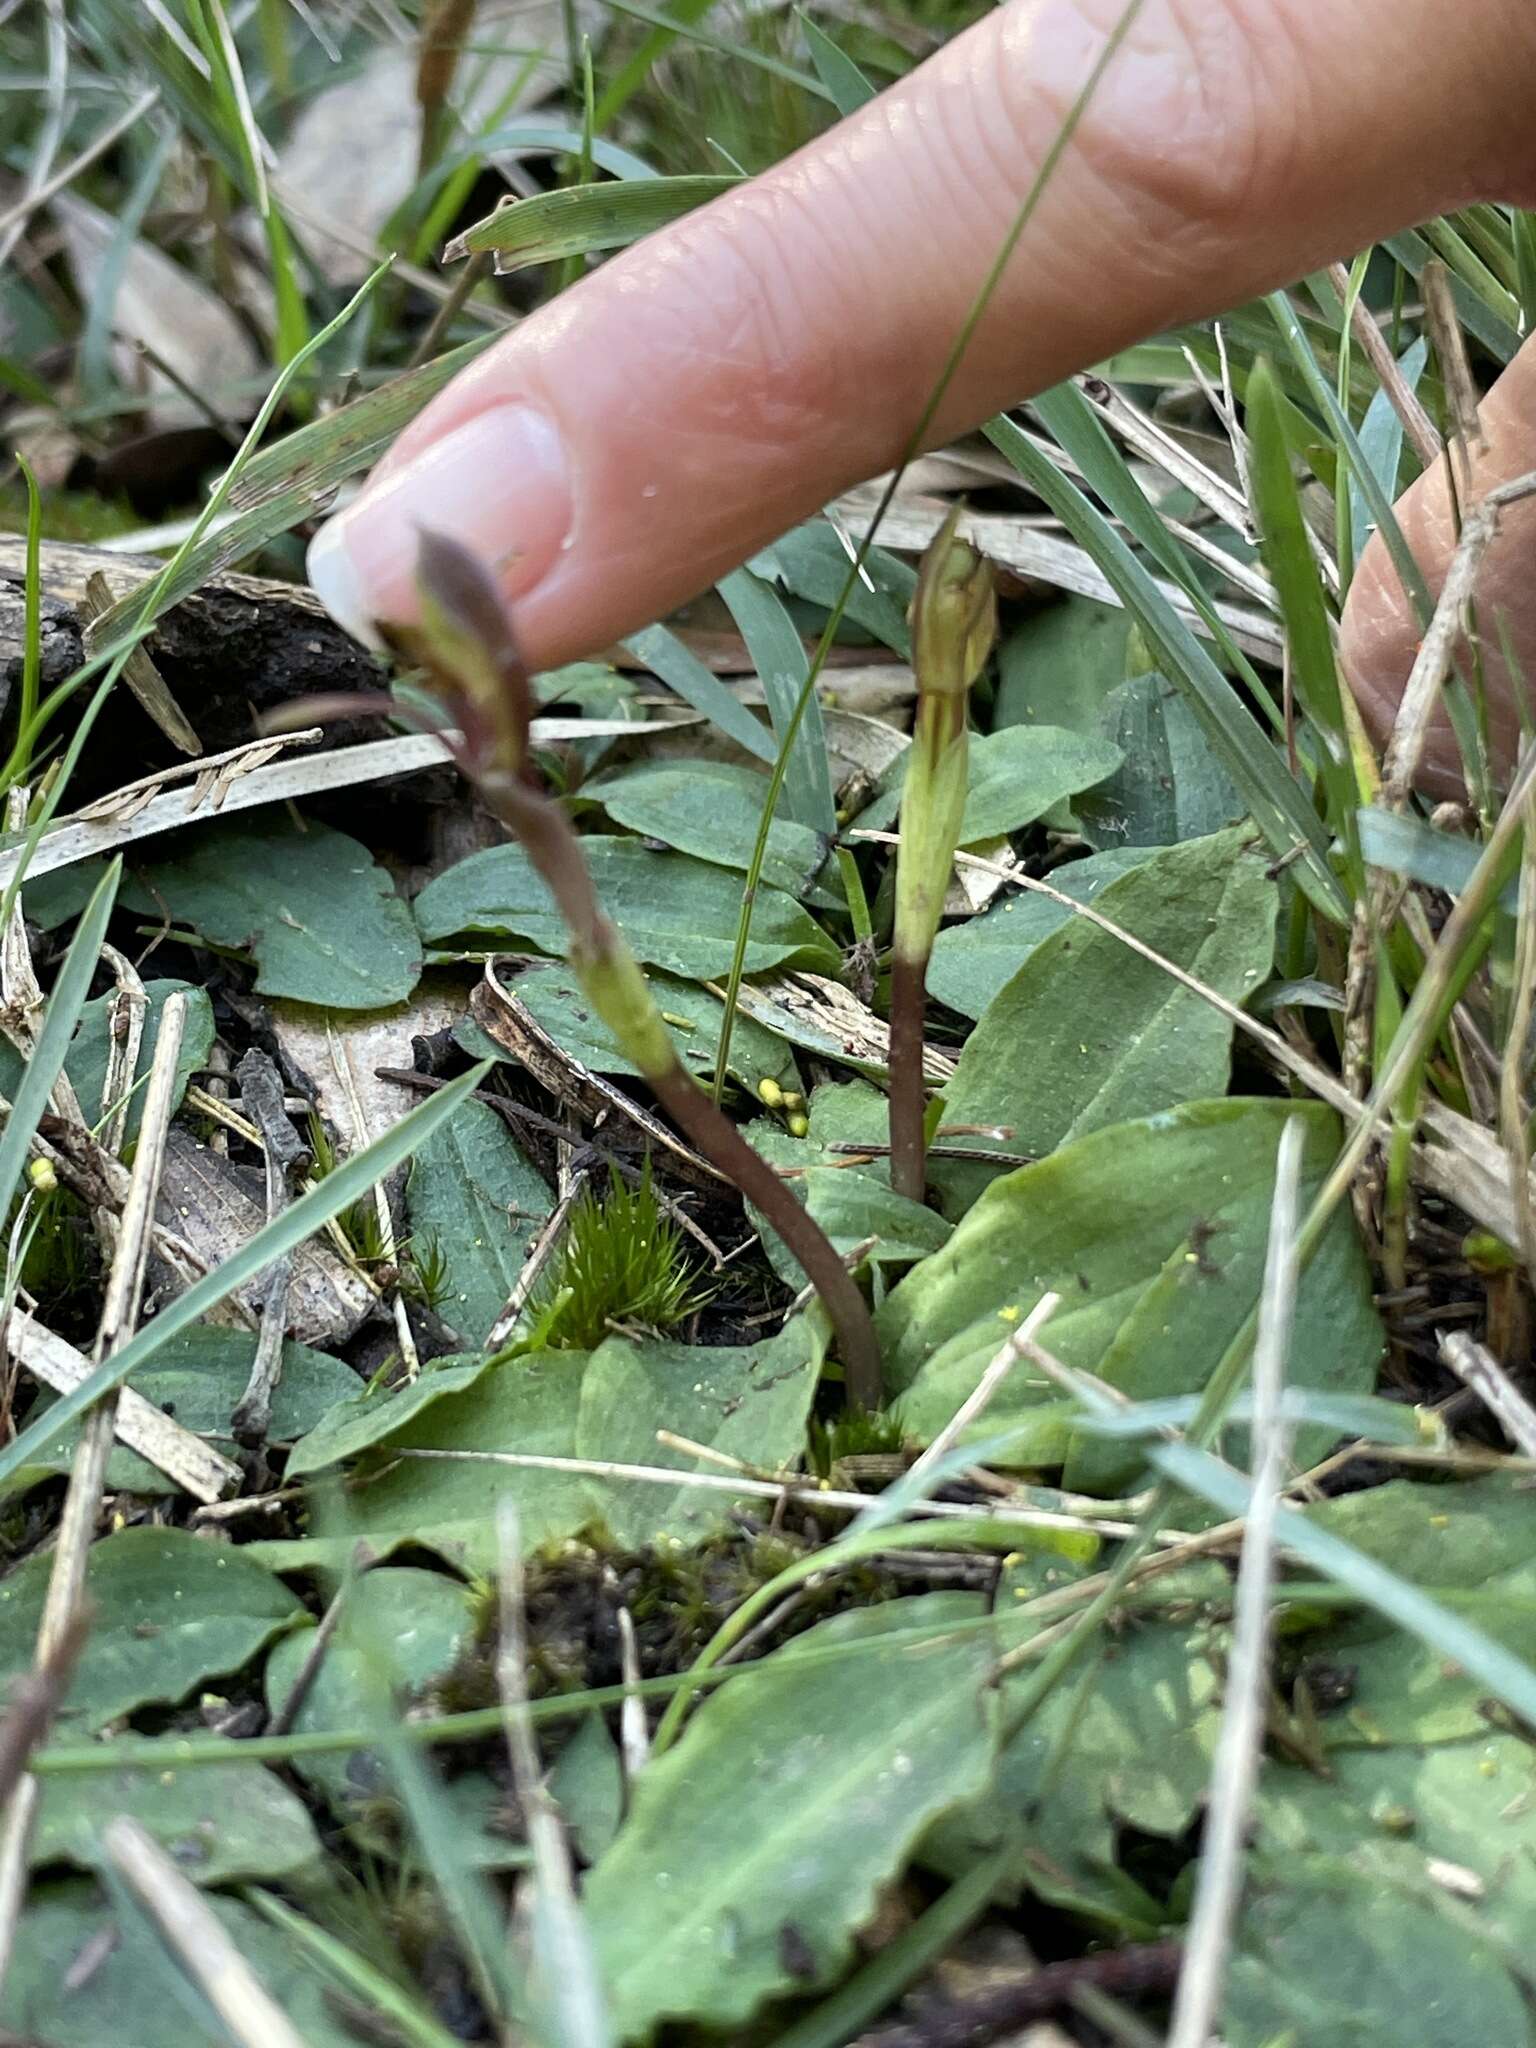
[{"x": 909, "y": 1101}]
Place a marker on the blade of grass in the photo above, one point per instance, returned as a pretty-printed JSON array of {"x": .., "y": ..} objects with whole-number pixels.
[
  {"x": 784, "y": 669},
  {"x": 577, "y": 220},
  {"x": 685, "y": 14},
  {"x": 1278, "y": 803},
  {"x": 666, "y": 656},
  {"x": 846, "y": 84},
  {"x": 353, "y": 1974},
  {"x": 338, "y": 1191}
]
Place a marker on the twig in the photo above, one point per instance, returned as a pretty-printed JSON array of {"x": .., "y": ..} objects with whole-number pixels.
[
  {"x": 540, "y": 1253},
  {"x": 32, "y": 1702},
  {"x": 284, "y": 1155},
  {"x": 1476, "y": 1367},
  {"x": 197, "y": 1938},
  {"x": 1136, "y": 1971},
  {"x": 1218, "y": 1884},
  {"x": 286, "y": 1717},
  {"x": 16, "y": 1823}
]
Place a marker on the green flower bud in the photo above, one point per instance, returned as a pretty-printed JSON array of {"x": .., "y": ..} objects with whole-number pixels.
[{"x": 954, "y": 613}]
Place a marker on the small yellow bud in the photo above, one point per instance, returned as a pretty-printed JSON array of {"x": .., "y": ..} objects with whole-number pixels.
[
  {"x": 770, "y": 1093},
  {"x": 42, "y": 1176},
  {"x": 793, "y": 1099},
  {"x": 798, "y": 1124}
]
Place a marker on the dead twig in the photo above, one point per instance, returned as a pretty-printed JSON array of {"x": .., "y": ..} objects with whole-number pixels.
[{"x": 284, "y": 1156}]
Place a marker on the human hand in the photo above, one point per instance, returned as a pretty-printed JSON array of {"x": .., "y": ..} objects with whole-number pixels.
[{"x": 649, "y": 429}]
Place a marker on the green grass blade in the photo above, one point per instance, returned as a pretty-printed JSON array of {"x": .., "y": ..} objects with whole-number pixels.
[
  {"x": 1279, "y": 805},
  {"x": 783, "y": 666},
  {"x": 1488, "y": 1662},
  {"x": 338, "y": 1191},
  {"x": 1287, "y": 553},
  {"x": 1106, "y": 472},
  {"x": 665, "y": 655},
  {"x": 721, "y": 46},
  {"x": 1497, "y": 334},
  {"x": 1523, "y": 232},
  {"x": 62, "y": 1015},
  {"x": 685, "y": 14},
  {"x": 1326, "y": 400},
  {"x": 581, "y": 219},
  {"x": 353, "y": 1974},
  {"x": 843, "y": 79},
  {"x": 1381, "y": 443}
]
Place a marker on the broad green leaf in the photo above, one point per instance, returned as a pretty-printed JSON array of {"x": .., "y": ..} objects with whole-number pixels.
[
  {"x": 171, "y": 1609},
  {"x": 1468, "y": 1547},
  {"x": 676, "y": 912},
  {"x": 1016, "y": 776},
  {"x": 523, "y": 1404},
  {"x": 554, "y": 999},
  {"x": 757, "y": 1846},
  {"x": 1325, "y": 1953},
  {"x": 135, "y": 1996},
  {"x": 711, "y": 809},
  {"x": 1126, "y": 1740},
  {"x": 86, "y": 1061},
  {"x": 972, "y": 962},
  {"x": 344, "y": 1184},
  {"x": 421, "y": 1621},
  {"x": 782, "y": 664},
  {"x": 1153, "y": 1233},
  {"x": 578, "y": 220},
  {"x": 199, "y": 1377},
  {"x": 750, "y": 1400},
  {"x": 1058, "y": 667},
  {"x": 851, "y": 1203},
  {"x": 219, "y": 1823},
  {"x": 474, "y": 1196},
  {"x": 1170, "y": 785},
  {"x": 320, "y": 915},
  {"x": 747, "y": 1401},
  {"x": 1088, "y": 1033},
  {"x": 812, "y": 562},
  {"x": 586, "y": 1782},
  {"x": 1396, "y": 1809},
  {"x": 356, "y": 1424}
]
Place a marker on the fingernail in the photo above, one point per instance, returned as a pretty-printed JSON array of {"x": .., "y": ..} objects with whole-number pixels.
[{"x": 498, "y": 484}]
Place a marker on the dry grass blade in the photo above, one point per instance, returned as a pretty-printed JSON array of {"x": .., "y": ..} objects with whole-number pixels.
[
  {"x": 1437, "y": 651},
  {"x": 910, "y": 525},
  {"x": 807, "y": 1492},
  {"x": 1015, "y": 1346},
  {"x": 1219, "y": 1882},
  {"x": 119, "y": 1317},
  {"x": 195, "y": 1466},
  {"x": 196, "y": 1937},
  {"x": 1476, "y": 1367},
  {"x": 104, "y": 827},
  {"x": 564, "y": 1973},
  {"x": 1423, "y": 434},
  {"x": 1445, "y": 330}
]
